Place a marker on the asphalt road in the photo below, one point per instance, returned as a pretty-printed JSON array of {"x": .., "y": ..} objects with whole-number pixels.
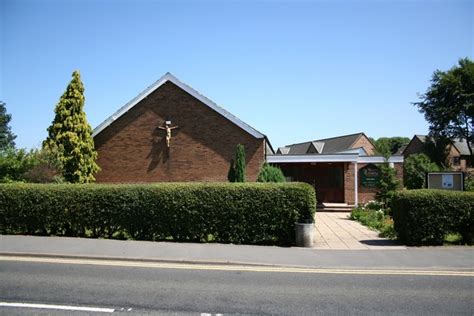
[{"x": 183, "y": 291}]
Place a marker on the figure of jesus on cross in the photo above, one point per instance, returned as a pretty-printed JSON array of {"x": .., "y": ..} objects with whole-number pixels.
[{"x": 168, "y": 129}]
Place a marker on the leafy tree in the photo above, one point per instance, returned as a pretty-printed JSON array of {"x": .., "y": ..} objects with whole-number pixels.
[
  {"x": 6, "y": 135},
  {"x": 388, "y": 184},
  {"x": 47, "y": 169},
  {"x": 415, "y": 168},
  {"x": 448, "y": 104},
  {"x": 270, "y": 174},
  {"x": 14, "y": 163},
  {"x": 237, "y": 168},
  {"x": 469, "y": 182},
  {"x": 20, "y": 165},
  {"x": 387, "y": 146},
  {"x": 69, "y": 135}
]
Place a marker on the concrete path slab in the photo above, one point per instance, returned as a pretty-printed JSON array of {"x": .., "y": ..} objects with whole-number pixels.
[{"x": 334, "y": 230}]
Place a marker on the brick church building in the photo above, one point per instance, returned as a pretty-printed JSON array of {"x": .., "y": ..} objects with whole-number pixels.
[{"x": 170, "y": 132}]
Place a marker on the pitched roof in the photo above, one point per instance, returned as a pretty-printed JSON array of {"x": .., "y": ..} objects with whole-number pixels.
[
  {"x": 325, "y": 146},
  {"x": 169, "y": 77},
  {"x": 421, "y": 138},
  {"x": 401, "y": 150},
  {"x": 459, "y": 144},
  {"x": 283, "y": 150}
]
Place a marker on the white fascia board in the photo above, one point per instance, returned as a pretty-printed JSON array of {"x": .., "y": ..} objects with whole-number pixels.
[
  {"x": 396, "y": 159},
  {"x": 379, "y": 159},
  {"x": 359, "y": 150},
  {"x": 310, "y": 158},
  {"x": 188, "y": 89},
  {"x": 371, "y": 159},
  {"x": 331, "y": 158}
]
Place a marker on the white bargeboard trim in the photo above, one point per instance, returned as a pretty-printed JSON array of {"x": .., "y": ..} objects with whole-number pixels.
[{"x": 169, "y": 77}]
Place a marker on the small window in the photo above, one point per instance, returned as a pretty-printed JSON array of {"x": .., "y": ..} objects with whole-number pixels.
[{"x": 456, "y": 161}]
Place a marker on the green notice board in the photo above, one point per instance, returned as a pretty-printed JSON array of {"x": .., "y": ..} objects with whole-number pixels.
[{"x": 369, "y": 176}]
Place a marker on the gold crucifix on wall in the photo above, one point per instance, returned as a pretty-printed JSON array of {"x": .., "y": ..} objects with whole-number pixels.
[{"x": 168, "y": 128}]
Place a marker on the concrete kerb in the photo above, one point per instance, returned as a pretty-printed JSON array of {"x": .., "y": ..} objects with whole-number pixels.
[
  {"x": 232, "y": 264},
  {"x": 139, "y": 259}
]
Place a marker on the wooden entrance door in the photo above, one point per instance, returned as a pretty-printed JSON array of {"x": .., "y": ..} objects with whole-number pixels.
[
  {"x": 329, "y": 182},
  {"x": 327, "y": 178}
]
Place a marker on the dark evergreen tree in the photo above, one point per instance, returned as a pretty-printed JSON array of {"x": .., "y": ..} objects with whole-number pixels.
[
  {"x": 387, "y": 185},
  {"x": 231, "y": 173},
  {"x": 438, "y": 151},
  {"x": 239, "y": 166},
  {"x": 6, "y": 135},
  {"x": 70, "y": 135}
]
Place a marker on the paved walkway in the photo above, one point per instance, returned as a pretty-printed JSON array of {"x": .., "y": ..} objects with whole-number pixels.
[{"x": 334, "y": 230}]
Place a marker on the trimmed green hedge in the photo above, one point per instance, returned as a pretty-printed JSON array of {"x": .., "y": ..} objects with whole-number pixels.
[
  {"x": 425, "y": 217},
  {"x": 250, "y": 213}
]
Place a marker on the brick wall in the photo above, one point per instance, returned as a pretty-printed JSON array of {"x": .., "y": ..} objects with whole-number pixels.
[
  {"x": 349, "y": 183},
  {"x": 133, "y": 149},
  {"x": 414, "y": 147},
  {"x": 364, "y": 194},
  {"x": 365, "y": 143}
]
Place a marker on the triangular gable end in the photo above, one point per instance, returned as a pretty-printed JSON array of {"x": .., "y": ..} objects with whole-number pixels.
[
  {"x": 169, "y": 77},
  {"x": 318, "y": 146},
  {"x": 362, "y": 134}
]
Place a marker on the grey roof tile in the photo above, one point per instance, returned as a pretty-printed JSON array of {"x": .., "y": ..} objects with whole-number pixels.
[{"x": 324, "y": 146}]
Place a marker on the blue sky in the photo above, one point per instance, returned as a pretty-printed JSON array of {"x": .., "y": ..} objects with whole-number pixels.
[{"x": 294, "y": 70}]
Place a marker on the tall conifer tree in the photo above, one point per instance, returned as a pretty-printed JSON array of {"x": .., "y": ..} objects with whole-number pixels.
[
  {"x": 70, "y": 135},
  {"x": 239, "y": 167}
]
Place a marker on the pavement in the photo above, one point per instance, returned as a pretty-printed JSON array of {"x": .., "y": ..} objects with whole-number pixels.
[
  {"x": 334, "y": 230},
  {"x": 429, "y": 258}
]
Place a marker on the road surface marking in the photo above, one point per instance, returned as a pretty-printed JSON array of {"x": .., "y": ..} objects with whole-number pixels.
[
  {"x": 243, "y": 268},
  {"x": 60, "y": 307}
]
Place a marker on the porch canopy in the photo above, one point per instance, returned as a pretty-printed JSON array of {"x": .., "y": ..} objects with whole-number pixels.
[{"x": 330, "y": 174}]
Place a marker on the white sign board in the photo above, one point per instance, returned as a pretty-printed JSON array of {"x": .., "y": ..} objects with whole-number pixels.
[{"x": 447, "y": 181}]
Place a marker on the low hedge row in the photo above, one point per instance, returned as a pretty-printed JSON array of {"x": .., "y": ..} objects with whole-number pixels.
[
  {"x": 425, "y": 217},
  {"x": 251, "y": 213}
]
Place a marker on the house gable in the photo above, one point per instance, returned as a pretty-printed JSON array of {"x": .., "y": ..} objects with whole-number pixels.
[
  {"x": 132, "y": 147},
  {"x": 168, "y": 77},
  {"x": 415, "y": 146},
  {"x": 365, "y": 143}
]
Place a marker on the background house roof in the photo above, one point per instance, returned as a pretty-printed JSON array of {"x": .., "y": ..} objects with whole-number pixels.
[
  {"x": 422, "y": 138},
  {"x": 401, "y": 150},
  {"x": 459, "y": 144},
  {"x": 323, "y": 146},
  {"x": 169, "y": 77}
]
